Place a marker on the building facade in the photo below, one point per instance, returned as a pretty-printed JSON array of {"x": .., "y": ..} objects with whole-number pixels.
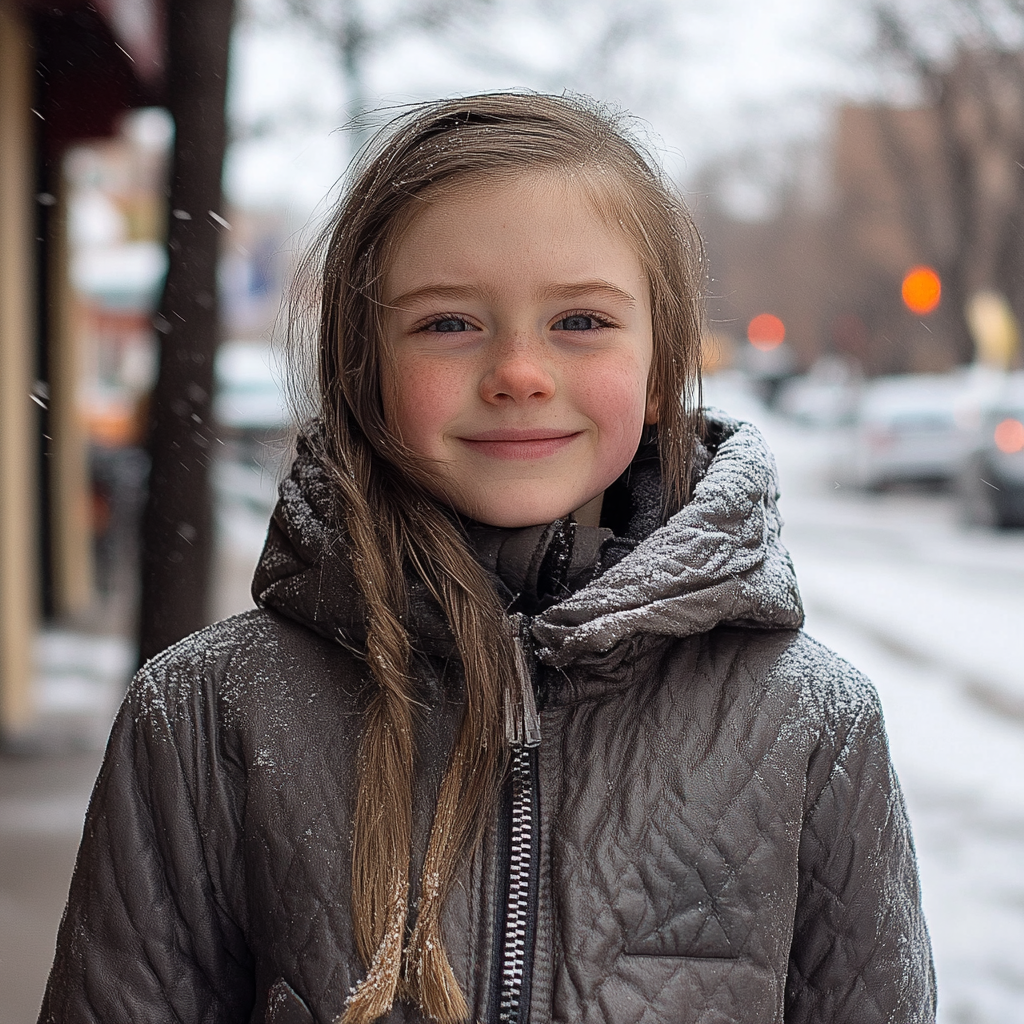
[{"x": 68, "y": 71}]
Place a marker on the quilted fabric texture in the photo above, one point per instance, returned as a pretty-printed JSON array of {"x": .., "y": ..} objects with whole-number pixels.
[{"x": 722, "y": 838}]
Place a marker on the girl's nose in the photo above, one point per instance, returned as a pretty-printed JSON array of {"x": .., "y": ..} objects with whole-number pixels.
[{"x": 517, "y": 372}]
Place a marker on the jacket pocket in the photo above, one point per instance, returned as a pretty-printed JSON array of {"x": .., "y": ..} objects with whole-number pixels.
[{"x": 285, "y": 1007}]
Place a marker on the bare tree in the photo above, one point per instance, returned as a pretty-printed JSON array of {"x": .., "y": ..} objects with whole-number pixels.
[
  {"x": 974, "y": 84},
  {"x": 602, "y": 46},
  {"x": 357, "y": 31},
  {"x": 178, "y": 522}
]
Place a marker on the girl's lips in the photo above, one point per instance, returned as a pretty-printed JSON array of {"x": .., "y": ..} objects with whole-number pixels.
[{"x": 519, "y": 444}]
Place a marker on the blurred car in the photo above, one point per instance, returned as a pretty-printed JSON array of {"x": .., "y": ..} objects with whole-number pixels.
[
  {"x": 905, "y": 431},
  {"x": 825, "y": 396},
  {"x": 768, "y": 368},
  {"x": 991, "y": 478},
  {"x": 249, "y": 401}
]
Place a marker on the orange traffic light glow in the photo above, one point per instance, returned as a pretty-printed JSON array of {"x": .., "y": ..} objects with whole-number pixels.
[
  {"x": 766, "y": 331},
  {"x": 922, "y": 290},
  {"x": 1009, "y": 436}
]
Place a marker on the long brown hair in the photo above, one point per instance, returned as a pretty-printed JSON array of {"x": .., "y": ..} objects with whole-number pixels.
[{"x": 394, "y": 526}]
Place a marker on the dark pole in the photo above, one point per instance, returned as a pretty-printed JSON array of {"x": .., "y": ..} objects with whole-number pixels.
[{"x": 177, "y": 531}]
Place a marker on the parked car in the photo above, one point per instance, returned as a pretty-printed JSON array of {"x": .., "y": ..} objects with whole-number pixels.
[
  {"x": 825, "y": 396},
  {"x": 991, "y": 477},
  {"x": 905, "y": 431},
  {"x": 767, "y": 369},
  {"x": 249, "y": 403}
]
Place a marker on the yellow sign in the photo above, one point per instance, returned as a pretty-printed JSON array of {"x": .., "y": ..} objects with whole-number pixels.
[{"x": 994, "y": 329}]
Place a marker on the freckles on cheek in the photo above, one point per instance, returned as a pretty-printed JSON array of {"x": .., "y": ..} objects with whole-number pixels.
[
  {"x": 617, "y": 404},
  {"x": 424, "y": 402}
]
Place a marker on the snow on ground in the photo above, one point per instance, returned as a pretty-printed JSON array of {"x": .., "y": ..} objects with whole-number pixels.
[
  {"x": 246, "y": 491},
  {"x": 80, "y": 680}
]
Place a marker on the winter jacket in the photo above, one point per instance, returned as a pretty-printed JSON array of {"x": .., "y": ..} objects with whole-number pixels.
[{"x": 710, "y": 829}]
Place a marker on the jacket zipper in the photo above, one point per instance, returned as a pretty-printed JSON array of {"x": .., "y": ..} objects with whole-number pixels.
[
  {"x": 522, "y": 824},
  {"x": 520, "y": 904}
]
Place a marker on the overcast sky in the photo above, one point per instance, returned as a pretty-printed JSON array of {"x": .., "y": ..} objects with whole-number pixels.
[{"x": 732, "y": 76}]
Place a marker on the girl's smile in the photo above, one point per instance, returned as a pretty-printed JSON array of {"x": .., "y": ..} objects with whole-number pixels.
[
  {"x": 520, "y": 444},
  {"x": 519, "y": 326}
]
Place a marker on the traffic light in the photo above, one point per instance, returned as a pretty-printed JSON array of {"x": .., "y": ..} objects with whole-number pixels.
[
  {"x": 922, "y": 290},
  {"x": 766, "y": 331}
]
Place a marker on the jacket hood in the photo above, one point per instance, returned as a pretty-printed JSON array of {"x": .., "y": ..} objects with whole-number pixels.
[{"x": 719, "y": 560}]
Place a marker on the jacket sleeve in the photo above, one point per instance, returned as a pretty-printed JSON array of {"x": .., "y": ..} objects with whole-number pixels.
[
  {"x": 860, "y": 952},
  {"x": 149, "y": 934}
]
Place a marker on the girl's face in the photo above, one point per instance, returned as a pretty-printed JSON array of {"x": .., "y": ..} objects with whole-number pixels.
[{"x": 519, "y": 323}]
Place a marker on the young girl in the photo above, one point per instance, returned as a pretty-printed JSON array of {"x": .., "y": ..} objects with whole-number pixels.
[{"x": 524, "y": 727}]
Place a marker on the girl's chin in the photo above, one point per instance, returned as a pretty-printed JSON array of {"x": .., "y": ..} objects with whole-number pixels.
[{"x": 515, "y": 513}]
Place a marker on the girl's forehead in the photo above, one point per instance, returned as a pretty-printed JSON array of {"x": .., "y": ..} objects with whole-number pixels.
[
  {"x": 530, "y": 216},
  {"x": 583, "y": 193}
]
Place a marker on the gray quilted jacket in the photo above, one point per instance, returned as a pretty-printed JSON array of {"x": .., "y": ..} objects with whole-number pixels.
[{"x": 709, "y": 831}]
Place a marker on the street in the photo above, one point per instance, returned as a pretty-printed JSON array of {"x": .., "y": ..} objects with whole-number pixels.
[{"x": 932, "y": 612}]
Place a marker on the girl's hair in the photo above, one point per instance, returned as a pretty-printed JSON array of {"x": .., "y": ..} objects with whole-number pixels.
[{"x": 396, "y": 529}]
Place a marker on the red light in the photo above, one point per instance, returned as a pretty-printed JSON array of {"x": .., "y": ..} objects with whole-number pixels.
[
  {"x": 766, "y": 331},
  {"x": 1009, "y": 436},
  {"x": 922, "y": 290}
]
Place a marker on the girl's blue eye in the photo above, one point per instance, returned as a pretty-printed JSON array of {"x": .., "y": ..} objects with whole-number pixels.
[
  {"x": 448, "y": 325},
  {"x": 577, "y": 322}
]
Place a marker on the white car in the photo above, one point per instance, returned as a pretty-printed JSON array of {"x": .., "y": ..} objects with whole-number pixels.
[
  {"x": 826, "y": 396},
  {"x": 249, "y": 400},
  {"x": 906, "y": 431}
]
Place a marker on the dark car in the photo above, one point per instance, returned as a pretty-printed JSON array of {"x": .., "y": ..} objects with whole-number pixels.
[{"x": 991, "y": 480}]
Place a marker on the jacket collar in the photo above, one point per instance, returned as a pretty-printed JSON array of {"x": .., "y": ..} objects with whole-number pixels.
[{"x": 719, "y": 560}]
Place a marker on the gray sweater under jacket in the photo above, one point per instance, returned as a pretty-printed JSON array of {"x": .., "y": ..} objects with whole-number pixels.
[{"x": 719, "y": 835}]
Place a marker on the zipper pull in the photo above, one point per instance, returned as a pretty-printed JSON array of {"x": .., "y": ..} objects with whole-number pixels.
[{"x": 522, "y": 719}]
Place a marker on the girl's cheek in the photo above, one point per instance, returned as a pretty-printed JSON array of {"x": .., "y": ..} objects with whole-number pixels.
[
  {"x": 425, "y": 400},
  {"x": 617, "y": 399}
]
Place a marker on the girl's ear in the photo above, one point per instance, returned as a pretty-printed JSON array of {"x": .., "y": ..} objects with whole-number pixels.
[{"x": 651, "y": 413}]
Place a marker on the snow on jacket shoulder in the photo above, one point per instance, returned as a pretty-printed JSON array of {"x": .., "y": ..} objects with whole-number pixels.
[{"x": 720, "y": 838}]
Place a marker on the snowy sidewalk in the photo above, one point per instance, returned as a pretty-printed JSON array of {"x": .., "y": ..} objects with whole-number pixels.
[
  {"x": 80, "y": 679},
  {"x": 947, "y": 608}
]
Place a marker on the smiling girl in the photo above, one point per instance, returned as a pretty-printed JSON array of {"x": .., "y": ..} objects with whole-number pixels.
[{"x": 524, "y": 727}]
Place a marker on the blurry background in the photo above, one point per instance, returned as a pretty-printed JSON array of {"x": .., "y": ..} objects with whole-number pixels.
[{"x": 858, "y": 171}]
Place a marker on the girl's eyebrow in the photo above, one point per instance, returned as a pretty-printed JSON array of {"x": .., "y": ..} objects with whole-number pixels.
[
  {"x": 577, "y": 290},
  {"x": 433, "y": 291},
  {"x": 573, "y": 290}
]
